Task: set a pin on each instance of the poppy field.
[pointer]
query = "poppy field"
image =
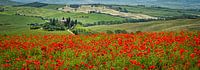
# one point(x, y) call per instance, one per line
point(134, 51)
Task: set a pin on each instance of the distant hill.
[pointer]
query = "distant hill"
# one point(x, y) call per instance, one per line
point(9, 2)
point(34, 4)
point(164, 3)
point(42, 5)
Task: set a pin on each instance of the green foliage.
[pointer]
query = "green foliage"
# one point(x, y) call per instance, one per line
point(82, 31)
point(109, 32)
point(167, 25)
point(50, 13)
point(74, 6)
point(53, 25)
point(34, 26)
point(2, 9)
point(17, 25)
point(120, 22)
point(120, 31)
point(56, 25)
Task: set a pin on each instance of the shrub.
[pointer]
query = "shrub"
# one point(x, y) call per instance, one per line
point(82, 31)
point(34, 26)
point(121, 32)
point(109, 32)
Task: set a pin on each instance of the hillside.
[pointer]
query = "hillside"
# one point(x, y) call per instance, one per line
point(155, 11)
point(41, 5)
point(34, 4)
point(9, 2)
point(12, 25)
point(49, 13)
point(134, 12)
point(176, 4)
point(171, 25)
point(103, 9)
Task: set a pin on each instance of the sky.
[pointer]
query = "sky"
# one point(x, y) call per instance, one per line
point(167, 3)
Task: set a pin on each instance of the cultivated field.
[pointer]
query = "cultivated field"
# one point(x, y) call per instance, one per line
point(171, 25)
point(105, 10)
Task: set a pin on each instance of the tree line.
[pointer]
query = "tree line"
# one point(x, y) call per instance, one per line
point(2, 9)
point(129, 20)
point(117, 22)
point(56, 24)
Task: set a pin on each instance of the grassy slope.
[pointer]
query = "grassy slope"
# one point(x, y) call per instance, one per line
point(171, 25)
point(18, 25)
point(49, 13)
point(158, 12)
point(89, 18)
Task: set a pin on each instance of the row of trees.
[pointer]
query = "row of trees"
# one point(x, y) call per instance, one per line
point(2, 9)
point(117, 22)
point(118, 31)
point(184, 16)
point(88, 31)
point(82, 31)
point(55, 24)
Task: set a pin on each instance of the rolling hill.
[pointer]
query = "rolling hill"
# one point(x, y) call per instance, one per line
point(103, 9)
point(50, 13)
point(156, 11)
point(9, 2)
point(42, 5)
point(153, 26)
point(181, 4)
point(17, 25)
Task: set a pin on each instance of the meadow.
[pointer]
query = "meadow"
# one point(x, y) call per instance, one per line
point(152, 26)
point(52, 13)
point(145, 50)
point(12, 25)
point(158, 11)
point(172, 44)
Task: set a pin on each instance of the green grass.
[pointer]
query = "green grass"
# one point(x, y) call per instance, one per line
point(171, 25)
point(11, 25)
point(88, 18)
point(50, 13)
point(158, 12)
point(30, 11)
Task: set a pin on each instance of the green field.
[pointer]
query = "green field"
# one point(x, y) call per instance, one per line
point(171, 25)
point(11, 25)
point(50, 13)
point(158, 11)
point(17, 24)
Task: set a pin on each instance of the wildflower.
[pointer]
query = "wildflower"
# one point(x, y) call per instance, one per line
point(152, 67)
point(125, 68)
point(192, 55)
point(181, 51)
